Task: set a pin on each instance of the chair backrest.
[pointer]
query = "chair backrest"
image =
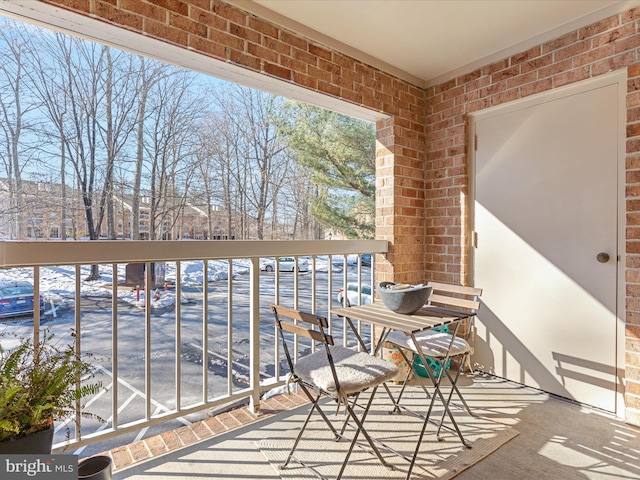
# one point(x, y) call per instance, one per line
point(286, 321)
point(455, 297)
point(449, 297)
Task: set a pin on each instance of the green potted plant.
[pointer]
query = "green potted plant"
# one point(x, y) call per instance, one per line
point(39, 384)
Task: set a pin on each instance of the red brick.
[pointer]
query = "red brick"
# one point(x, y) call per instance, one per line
point(477, 83)
point(628, 43)
point(303, 56)
point(633, 145)
point(230, 13)
point(614, 35)
point(139, 451)
point(296, 66)
point(560, 42)
point(156, 445)
point(199, 4)
point(328, 88)
point(632, 162)
point(201, 430)
point(633, 114)
point(164, 32)
point(631, 15)
point(145, 9)
point(634, 70)
point(228, 420)
point(244, 33)
point(262, 53)
point(175, 6)
point(277, 71)
point(526, 56)
point(294, 40)
point(571, 76)
point(215, 425)
point(536, 87)
point(263, 27)
point(82, 6)
point(493, 89)
point(226, 39)
point(599, 27)
point(171, 440)
point(210, 19)
point(187, 437)
point(328, 66)
point(495, 67)
point(305, 80)
point(126, 19)
point(318, 51)
point(244, 59)
point(121, 457)
point(243, 416)
point(593, 55)
point(188, 25)
point(613, 63)
point(208, 47)
point(276, 46)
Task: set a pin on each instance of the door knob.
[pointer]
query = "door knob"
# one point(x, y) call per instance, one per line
point(602, 257)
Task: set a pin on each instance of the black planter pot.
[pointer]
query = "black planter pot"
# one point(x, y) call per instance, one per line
point(39, 442)
point(95, 468)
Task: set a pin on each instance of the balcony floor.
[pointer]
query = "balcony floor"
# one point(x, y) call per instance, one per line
point(557, 439)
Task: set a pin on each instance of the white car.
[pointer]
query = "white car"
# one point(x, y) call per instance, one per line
point(352, 295)
point(286, 264)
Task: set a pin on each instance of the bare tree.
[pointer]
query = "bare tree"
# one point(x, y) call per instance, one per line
point(88, 96)
point(171, 149)
point(261, 161)
point(150, 72)
point(89, 113)
point(119, 123)
point(15, 106)
point(221, 173)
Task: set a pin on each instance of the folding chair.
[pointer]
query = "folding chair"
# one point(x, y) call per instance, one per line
point(445, 299)
point(333, 371)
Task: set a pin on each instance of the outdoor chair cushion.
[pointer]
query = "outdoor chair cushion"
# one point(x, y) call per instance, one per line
point(356, 371)
point(434, 344)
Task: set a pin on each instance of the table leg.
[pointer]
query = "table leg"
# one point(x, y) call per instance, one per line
point(436, 393)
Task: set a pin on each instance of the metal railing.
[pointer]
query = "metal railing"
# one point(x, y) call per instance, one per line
point(214, 345)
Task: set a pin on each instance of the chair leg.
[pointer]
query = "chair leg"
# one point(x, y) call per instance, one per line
point(396, 402)
point(412, 362)
point(454, 387)
point(314, 406)
point(314, 403)
point(304, 426)
point(360, 428)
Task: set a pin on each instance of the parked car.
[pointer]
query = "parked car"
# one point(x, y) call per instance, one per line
point(16, 298)
point(286, 264)
point(352, 295)
point(366, 259)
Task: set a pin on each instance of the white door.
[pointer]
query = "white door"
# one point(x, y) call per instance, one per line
point(545, 213)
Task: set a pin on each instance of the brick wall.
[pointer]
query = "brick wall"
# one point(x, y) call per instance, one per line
point(421, 192)
point(608, 45)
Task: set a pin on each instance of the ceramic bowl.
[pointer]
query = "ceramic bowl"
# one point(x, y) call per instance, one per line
point(403, 298)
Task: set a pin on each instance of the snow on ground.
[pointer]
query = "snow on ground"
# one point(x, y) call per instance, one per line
point(57, 283)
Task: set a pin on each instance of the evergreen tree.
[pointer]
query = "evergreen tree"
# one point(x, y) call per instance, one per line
point(338, 154)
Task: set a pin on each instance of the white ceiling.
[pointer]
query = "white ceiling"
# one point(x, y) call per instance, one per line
point(428, 41)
